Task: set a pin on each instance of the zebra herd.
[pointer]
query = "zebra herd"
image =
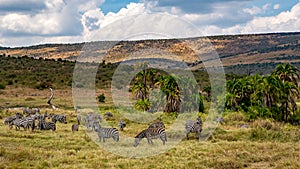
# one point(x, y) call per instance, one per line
point(18, 120)
point(92, 122)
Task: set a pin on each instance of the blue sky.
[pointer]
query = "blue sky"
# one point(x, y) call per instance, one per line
point(29, 22)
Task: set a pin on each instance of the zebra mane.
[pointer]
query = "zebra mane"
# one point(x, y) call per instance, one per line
point(142, 134)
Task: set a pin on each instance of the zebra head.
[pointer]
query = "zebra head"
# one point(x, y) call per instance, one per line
point(96, 126)
point(136, 142)
point(116, 138)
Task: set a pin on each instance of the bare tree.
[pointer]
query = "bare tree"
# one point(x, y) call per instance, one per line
point(50, 99)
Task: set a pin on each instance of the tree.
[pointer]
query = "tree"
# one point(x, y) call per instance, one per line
point(169, 86)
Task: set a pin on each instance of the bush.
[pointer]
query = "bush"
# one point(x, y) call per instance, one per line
point(142, 105)
point(101, 98)
point(2, 86)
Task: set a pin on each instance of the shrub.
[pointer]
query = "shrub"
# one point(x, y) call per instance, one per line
point(101, 98)
point(2, 86)
point(142, 105)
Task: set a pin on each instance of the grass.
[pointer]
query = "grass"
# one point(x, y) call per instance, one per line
point(228, 147)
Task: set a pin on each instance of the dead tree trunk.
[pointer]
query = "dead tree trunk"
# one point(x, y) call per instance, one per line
point(50, 99)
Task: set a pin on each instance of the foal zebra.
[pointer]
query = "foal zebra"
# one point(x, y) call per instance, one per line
point(193, 127)
point(151, 133)
point(106, 132)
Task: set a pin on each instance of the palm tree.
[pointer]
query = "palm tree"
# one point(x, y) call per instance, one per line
point(287, 72)
point(289, 77)
point(172, 93)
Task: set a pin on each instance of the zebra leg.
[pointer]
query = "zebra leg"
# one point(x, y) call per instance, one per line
point(187, 135)
point(149, 141)
point(163, 139)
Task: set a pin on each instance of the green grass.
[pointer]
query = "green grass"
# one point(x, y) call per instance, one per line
point(228, 147)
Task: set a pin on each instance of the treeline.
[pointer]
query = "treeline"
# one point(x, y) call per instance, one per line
point(270, 96)
point(43, 73)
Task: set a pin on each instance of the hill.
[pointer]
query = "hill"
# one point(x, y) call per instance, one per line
point(245, 51)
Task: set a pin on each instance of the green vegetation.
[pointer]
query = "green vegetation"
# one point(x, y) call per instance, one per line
point(272, 96)
point(261, 128)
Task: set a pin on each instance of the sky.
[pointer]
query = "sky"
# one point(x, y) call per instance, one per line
point(32, 22)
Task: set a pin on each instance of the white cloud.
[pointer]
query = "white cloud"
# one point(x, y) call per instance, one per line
point(69, 21)
point(132, 9)
point(252, 11)
point(276, 6)
point(266, 6)
point(287, 21)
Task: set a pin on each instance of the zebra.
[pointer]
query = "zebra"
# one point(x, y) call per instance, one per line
point(90, 118)
point(43, 125)
point(75, 127)
point(157, 125)
point(31, 120)
point(30, 111)
point(151, 133)
point(19, 122)
point(193, 127)
point(106, 132)
point(10, 119)
point(122, 125)
point(58, 117)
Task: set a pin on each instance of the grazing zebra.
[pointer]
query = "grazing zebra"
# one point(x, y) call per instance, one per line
point(106, 132)
point(31, 120)
point(157, 125)
point(193, 127)
point(10, 119)
point(43, 125)
point(29, 111)
point(122, 125)
point(90, 118)
point(58, 117)
point(19, 122)
point(151, 133)
point(75, 127)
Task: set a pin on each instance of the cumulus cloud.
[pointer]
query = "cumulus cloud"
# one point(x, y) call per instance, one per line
point(56, 21)
point(102, 21)
point(286, 21)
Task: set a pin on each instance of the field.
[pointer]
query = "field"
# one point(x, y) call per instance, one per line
point(264, 144)
point(262, 116)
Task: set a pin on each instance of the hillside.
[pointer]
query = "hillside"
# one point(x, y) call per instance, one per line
point(233, 49)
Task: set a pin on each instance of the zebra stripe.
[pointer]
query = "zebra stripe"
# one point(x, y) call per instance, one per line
point(43, 125)
point(20, 123)
point(47, 125)
point(151, 133)
point(106, 132)
point(58, 117)
point(193, 127)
